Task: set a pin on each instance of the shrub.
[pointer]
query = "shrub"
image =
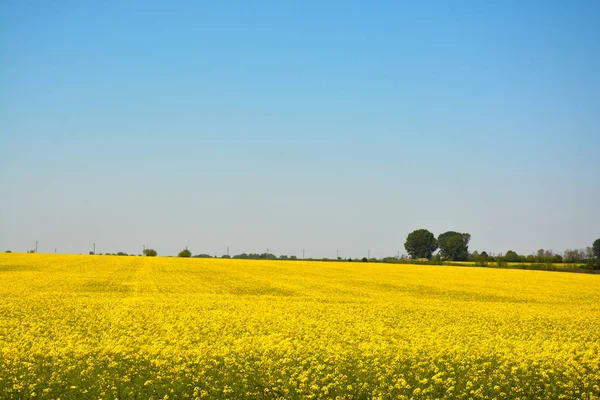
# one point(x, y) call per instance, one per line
point(184, 253)
point(150, 253)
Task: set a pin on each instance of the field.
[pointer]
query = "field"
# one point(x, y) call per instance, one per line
point(75, 327)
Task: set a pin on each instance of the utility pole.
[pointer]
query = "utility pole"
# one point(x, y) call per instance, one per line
point(36, 246)
point(369, 254)
point(337, 254)
point(227, 251)
point(303, 253)
point(94, 248)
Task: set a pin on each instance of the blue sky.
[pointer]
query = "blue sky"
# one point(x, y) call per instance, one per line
point(275, 125)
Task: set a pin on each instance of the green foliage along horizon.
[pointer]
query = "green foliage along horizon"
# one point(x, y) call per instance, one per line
point(150, 253)
point(184, 253)
point(454, 246)
point(421, 244)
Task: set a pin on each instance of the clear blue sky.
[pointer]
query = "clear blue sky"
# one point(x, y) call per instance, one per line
point(288, 125)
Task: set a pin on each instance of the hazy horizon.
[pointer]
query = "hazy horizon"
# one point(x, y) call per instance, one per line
point(339, 126)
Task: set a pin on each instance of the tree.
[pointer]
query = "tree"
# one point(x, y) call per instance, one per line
point(574, 256)
point(589, 255)
point(454, 245)
point(420, 244)
point(474, 256)
point(150, 253)
point(204, 256)
point(596, 249)
point(184, 253)
point(511, 256)
point(501, 260)
point(364, 259)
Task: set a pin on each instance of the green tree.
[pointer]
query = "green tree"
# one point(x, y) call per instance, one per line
point(511, 256)
point(596, 250)
point(454, 245)
point(204, 256)
point(184, 253)
point(150, 253)
point(474, 256)
point(501, 260)
point(421, 244)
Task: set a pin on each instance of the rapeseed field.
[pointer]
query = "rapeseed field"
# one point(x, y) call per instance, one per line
point(104, 327)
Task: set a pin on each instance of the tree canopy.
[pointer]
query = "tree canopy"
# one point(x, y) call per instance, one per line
point(184, 253)
point(421, 244)
point(454, 245)
point(150, 253)
point(512, 256)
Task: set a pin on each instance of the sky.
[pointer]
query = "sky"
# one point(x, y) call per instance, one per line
point(324, 126)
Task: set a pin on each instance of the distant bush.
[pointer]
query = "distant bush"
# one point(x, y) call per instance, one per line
point(8, 251)
point(122, 254)
point(256, 256)
point(364, 259)
point(203, 256)
point(501, 261)
point(184, 253)
point(150, 253)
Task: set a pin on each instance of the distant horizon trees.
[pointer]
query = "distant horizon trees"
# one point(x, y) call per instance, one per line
point(421, 244)
point(256, 256)
point(150, 252)
point(454, 246)
point(184, 253)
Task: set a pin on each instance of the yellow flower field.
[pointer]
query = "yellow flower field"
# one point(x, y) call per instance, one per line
point(110, 327)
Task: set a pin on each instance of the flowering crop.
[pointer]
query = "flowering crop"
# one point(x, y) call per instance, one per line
point(75, 327)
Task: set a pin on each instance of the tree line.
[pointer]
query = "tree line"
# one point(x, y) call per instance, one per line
point(421, 244)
